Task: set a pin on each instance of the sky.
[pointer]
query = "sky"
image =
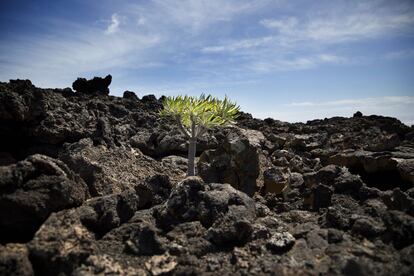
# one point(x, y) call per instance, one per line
point(289, 60)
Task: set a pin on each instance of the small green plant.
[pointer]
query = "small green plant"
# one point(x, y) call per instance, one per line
point(195, 115)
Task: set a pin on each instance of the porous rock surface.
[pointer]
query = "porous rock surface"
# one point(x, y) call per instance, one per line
point(92, 184)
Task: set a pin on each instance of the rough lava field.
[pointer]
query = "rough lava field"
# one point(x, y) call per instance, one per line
point(92, 184)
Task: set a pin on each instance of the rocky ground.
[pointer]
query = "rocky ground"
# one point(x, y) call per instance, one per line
point(92, 184)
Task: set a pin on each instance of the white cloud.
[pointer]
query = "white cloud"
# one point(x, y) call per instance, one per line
point(238, 45)
point(234, 38)
point(283, 25)
point(345, 23)
point(114, 25)
point(58, 58)
point(194, 16)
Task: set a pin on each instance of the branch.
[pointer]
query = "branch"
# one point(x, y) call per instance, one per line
point(201, 131)
point(198, 130)
point(193, 128)
point(181, 127)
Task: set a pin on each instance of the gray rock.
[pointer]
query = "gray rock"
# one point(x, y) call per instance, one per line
point(14, 260)
point(280, 242)
point(31, 190)
point(236, 161)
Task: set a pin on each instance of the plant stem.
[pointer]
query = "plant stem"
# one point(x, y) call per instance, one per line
point(191, 156)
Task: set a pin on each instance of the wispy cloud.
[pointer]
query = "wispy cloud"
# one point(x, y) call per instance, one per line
point(283, 25)
point(114, 25)
point(198, 45)
point(60, 56)
point(243, 44)
point(346, 23)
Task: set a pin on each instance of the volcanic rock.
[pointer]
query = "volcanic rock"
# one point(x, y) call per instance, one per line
point(93, 184)
point(94, 86)
point(31, 190)
point(14, 260)
point(236, 161)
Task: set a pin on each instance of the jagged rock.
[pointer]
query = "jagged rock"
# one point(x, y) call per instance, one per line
point(348, 183)
point(406, 169)
point(335, 235)
point(176, 161)
point(235, 228)
point(14, 260)
point(158, 186)
point(236, 161)
point(280, 242)
point(192, 199)
point(61, 245)
point(325, 175)
point(360, 223)
point(321, 196)
point(96, 85)
point(357, 114)
point(318, 185)
point(152, 103)
point(31, 190)
point(276, 179)
point(68, 237)
point(146, 241)
point(130, 95)
point(189, 238)
point(304, 142)
point(102, 214)
point(110, 170)
point(382, 169)
point(384, 142)
point(105, 265)
point(367, 227)
point(161, 264)
point(399, 229)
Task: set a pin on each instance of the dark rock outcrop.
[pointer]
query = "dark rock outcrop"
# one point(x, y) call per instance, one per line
point(94, 86)
point(31, 190)
point(14, 260)
point(93, 184)
point(236, 161)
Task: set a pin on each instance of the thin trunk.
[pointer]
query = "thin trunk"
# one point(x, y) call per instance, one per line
point(191, 156)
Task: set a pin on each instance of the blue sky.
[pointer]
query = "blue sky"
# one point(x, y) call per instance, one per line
point(290, 60)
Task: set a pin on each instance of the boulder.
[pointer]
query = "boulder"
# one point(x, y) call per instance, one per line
point(192, 199)
point(102, 214)
point(31, 190)
point(280, 242)
point(368, 227)
point(227, 213)
point(276, 179)
point(130, 96)
point(357, 114)
point(399, 229)
point(61, 245)
point(14, 260)
point(236, 161)
point(321, 196)
point(406, 169)
point(111, 170)
point(146, 241)
point(348, 183)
